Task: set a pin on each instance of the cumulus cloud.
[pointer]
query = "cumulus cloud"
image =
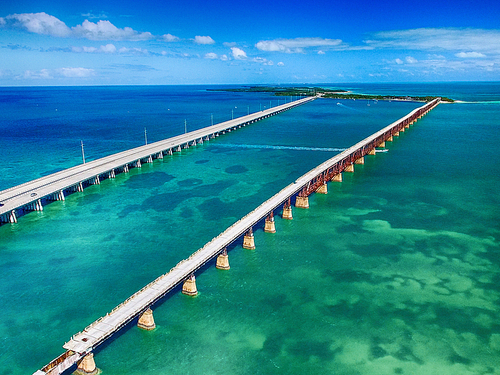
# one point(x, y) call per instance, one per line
point(320, 52)
point(43, 23)
point(203, 40)
point(211, 56)
point(399, 61)
point(411, 60)
point(296, 45)
point(280, 64)
point(170, 38)
point(105, 30)
point(238, 53)
point(39, 23)
point(468, 55)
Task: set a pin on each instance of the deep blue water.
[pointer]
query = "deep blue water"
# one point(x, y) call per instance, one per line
point(396, 270)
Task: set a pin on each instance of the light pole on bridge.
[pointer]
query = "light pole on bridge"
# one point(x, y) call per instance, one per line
point(145, 136)
point(83, 153)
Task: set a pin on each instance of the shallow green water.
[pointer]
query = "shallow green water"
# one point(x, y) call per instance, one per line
point(395, 271)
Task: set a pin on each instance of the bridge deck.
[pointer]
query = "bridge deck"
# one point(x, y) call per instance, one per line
point(29, 192)
point(106, 326)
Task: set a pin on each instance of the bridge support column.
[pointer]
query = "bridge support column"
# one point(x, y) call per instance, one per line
point(60, 195)
point(323, 189)
point(170, 152)
point(125, 168)
point(112, 174)
point(79, 187)
point(361, 160)
point(223, 261)
point(349, 168)
point(12, 217)
point(269, 226)
point(138, 164)
point(302, 202)
point(249, 241)
point(160, 155)
point(381, 144)
point(189, 286)
point(337, 177)
point(396, 134)
point(287, 211)
point(389, 139)
point(150, 159)
point(179, 148)
point(96, 181)
point(38, 205)
point(146, 321)
point(87, 366)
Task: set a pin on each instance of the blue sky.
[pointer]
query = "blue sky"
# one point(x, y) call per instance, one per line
point(247, 42)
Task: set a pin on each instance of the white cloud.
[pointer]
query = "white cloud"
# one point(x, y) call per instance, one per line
point(399, 61)
point(296, 45)
point(105, 30)
point(411, 60)
point(203, 40)
point(133, 51)
point(39, 23)
point(108, 48)
point(229, 44)
point(211, 56)
point(238, 53)
point(468, 55)
point(280, 64)
point(429, 39)
point(75, 72)
point(320, 52)
point(170, 38)
point(60, 73)
point(224, 58)
point(43, 23)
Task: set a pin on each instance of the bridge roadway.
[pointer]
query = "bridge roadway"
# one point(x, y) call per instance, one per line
point(96, 333)
point(53, 187)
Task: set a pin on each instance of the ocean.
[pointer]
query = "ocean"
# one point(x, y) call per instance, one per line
point(395, 271)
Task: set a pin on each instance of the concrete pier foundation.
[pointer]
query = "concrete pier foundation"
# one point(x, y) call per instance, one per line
point(87, 366)
point(372, 152)
point(337, 177)
point(112, 174)
point(287, 213)
point(125, 168)
point(223, 261)
point(302, 202)
point(269, 226)
point(146, 321)
point(138, 164)
point(150, 159)
point(38, 205)
point(381, 144)
point(249, 240)
point(189, 286)
point(96, 181)
point(390, 139)
point(361, 160)
point(12, 217)
point(323, 189)
point(60, 195)
point(349, 168)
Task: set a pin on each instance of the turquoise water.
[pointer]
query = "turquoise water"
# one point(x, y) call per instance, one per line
point(395, 271)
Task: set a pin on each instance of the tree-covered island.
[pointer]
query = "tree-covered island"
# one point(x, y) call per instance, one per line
point(328, 93)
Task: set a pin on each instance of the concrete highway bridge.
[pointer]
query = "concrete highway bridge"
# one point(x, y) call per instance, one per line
point(138, 308)
point(34, 195)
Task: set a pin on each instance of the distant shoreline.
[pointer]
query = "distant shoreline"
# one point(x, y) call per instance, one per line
point(330, 93)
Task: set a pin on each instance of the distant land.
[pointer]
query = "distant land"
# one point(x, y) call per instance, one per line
point(329, 93)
